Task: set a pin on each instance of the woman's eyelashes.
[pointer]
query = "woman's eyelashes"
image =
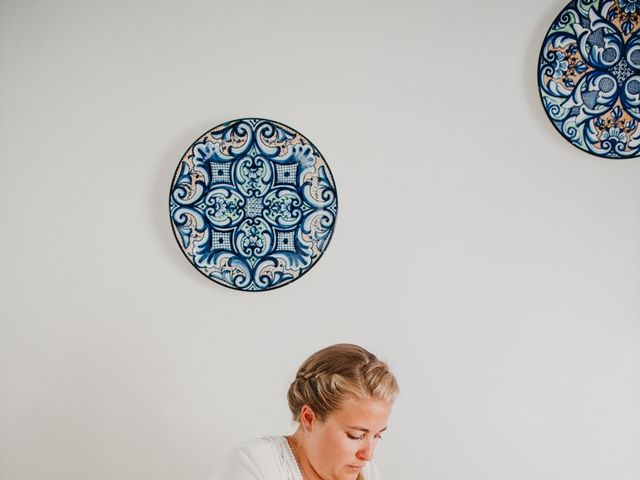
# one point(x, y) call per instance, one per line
point(361, 437)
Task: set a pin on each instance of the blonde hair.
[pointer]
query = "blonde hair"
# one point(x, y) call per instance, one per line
point(338, 373)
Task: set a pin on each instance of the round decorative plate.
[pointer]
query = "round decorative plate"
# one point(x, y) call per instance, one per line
point(253, 204)
point(589, 76)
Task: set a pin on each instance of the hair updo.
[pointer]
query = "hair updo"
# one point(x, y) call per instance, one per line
point(339, 373)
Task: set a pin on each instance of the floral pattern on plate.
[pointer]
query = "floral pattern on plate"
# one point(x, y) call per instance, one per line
point(589, 76)
point(253, 204)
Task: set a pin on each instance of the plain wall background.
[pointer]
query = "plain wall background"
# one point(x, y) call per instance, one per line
point(495, 266)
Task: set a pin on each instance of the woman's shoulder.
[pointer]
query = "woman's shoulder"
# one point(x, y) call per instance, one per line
point(268, 458)
point(259, 458)
point(263, 447)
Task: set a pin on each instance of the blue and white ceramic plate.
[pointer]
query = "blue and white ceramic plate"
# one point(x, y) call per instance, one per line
point(253, 204)
point(589, 76)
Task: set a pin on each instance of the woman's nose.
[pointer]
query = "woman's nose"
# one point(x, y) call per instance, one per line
point(366, 452)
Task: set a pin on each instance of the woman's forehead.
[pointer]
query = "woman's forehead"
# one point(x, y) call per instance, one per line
point(364, 413)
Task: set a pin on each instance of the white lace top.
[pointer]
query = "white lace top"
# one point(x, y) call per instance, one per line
point(269, 458)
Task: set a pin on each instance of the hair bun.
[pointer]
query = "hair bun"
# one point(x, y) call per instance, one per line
point(339, 372)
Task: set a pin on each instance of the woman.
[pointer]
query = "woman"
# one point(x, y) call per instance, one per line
point(341, 399)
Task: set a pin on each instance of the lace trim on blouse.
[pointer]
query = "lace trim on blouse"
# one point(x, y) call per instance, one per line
point(286, 458)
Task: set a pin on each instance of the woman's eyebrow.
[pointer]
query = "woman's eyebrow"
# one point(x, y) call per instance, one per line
point(365, 430)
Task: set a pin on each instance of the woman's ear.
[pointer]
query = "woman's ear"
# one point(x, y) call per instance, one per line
point(307, 418)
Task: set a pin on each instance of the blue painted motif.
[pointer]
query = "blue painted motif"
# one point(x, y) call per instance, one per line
point(253, 204)
point(589, 76)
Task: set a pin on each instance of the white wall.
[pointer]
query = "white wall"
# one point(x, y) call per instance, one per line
point(495, 266)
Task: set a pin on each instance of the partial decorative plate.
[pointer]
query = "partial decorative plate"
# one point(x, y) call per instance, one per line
point(589, 76)
point(253, 204)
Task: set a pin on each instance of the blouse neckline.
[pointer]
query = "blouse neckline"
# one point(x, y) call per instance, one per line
point(291, 459)
point(293, 465)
